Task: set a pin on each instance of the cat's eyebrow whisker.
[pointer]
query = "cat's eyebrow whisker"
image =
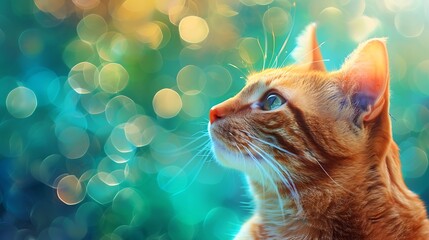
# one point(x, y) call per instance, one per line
point(239, 70)
point(265, 44)
point(288, 36)
point(272, 59)
point(264, 54)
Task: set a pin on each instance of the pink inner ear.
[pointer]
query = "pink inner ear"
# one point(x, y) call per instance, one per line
point(367, 70)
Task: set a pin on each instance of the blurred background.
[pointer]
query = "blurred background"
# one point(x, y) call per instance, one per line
point(104, 104)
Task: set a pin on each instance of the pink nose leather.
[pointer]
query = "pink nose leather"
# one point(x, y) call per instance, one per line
point(216, 113)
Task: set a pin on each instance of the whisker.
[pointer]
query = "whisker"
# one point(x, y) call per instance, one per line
point(269, 144)
point(289, 34)
point(183, 150)
point(272, 60)
point(204, 149)
point(259, 170)
point(265, 44)
point(288, 182)
point(287, 152)
point(263, 54)
point(269, 179)
point(327, 174)
point(254, 147)
point(177, 151)
point(200, 167)
point(279, 198)
point(244, 75)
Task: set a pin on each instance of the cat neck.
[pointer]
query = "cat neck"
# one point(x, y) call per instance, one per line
point(370, 199)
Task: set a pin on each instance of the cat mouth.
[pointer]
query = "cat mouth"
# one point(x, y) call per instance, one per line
point(232, 150)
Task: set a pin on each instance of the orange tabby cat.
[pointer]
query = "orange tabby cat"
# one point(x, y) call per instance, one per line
point(318, 151)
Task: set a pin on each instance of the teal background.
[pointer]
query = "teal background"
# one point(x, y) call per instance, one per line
point(104, 106)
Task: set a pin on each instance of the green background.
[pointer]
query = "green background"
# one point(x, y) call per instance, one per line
point(104, 106)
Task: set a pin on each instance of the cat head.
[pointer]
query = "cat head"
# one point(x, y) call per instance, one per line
point(301, 121)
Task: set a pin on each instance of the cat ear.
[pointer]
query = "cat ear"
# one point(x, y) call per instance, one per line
point(307, 52)
point(366, 71)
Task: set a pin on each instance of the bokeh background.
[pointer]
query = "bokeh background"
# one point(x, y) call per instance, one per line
point(103, 106)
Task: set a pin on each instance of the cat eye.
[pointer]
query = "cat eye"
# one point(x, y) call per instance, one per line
point(272, 101)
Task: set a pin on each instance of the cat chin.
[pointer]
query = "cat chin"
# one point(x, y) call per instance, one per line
point(237, 161)
point(225, 157)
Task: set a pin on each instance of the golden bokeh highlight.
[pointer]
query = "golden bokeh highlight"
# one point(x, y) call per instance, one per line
point(419, 162)
point(166, 7)
point(194, 105)
point(21, 102)
point(362, 27)
point(191, 80)
point(250, 50)
point(151, 34)
point(140, 130)
point(86, 4)
point(256, 2)
point(193, 29)
point(83, 77)
point(167, 103)
point(78, 51)
point(219, 81)
point(119, 110)
point(410, 23)
point(177, 12)
point(400, 5)
point(58, 8)
point(131, 10)
point(70, 190)
point(331, 16)
point(113, 78)
point(119, 140)
point(112, 46)
point(91, 27)
point(277, 21)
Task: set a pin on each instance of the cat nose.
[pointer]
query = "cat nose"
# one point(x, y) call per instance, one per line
point(215, 114)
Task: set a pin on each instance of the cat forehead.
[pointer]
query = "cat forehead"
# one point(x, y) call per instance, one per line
point(290, 82)
point(276, 78)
